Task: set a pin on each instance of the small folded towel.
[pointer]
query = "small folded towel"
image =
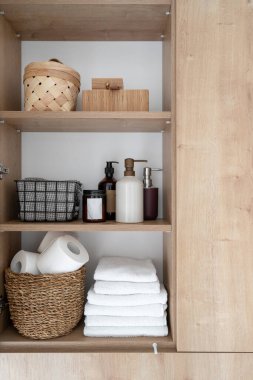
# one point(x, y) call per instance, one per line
point(126, 287)
point(96, 320)
point(125, 269)
point(125, 331)
point(154, 310)
point(127, 300)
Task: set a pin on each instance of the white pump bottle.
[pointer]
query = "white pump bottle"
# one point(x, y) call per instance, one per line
point(129, 195)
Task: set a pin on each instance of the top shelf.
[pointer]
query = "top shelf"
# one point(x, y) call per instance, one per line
point(80, 121)
point(88, 20)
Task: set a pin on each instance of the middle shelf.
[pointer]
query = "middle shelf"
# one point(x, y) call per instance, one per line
point(159, 225)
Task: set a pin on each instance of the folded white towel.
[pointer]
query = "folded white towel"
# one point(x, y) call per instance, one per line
point(96, 320)
point(154, 310)
point(127, 300)
point(126, 287)
point(126, 331)
point(125, 269)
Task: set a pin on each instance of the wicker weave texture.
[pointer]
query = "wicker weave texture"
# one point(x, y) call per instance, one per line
point(50, 94)
point(50, 86)
point(45, 306)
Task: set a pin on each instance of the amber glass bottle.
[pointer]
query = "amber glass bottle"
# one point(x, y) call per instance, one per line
point(109, 185)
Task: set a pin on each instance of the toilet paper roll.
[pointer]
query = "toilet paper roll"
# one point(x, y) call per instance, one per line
point(65, 254)
point(48, 239)
point(25, 262)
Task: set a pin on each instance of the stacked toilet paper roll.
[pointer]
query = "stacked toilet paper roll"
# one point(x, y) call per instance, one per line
point(64, 254)
point(59, 253)
point(25, 262)
point(48, 239)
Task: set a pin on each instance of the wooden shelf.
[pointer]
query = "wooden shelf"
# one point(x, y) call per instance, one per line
point(12, 341)
point(81, 20)
point(81, 121)
point(159, 225)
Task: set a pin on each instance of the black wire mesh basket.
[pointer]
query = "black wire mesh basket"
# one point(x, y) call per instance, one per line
point(48, 201)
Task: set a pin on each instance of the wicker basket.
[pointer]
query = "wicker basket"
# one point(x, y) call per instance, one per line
point(50, 86)
point(45, 306)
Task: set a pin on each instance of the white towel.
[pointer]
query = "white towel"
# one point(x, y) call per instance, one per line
point(126, 287)
point(96, 320)
point(155, 310)
point(125, 269)
point(126, 331)
point(127, 300)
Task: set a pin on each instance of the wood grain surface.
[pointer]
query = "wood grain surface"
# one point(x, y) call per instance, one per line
point(214, 80)
point(10, 67)
point(116, 100)
point(10, 147)
point(80, 121)
point(87, 20)
point(170, 366)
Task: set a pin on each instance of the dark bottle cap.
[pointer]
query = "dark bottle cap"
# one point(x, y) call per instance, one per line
point(109, 170)
point(96, 193)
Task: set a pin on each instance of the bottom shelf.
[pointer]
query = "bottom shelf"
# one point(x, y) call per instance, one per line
point(12, 341)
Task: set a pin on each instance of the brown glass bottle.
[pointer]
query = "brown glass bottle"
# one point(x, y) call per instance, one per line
point(109, 185)
point(150, 203)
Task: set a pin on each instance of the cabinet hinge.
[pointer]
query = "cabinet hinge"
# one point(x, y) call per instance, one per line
point(3, 304)
point(3, 170)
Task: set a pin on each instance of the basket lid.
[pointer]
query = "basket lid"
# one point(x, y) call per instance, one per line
point(41, 67)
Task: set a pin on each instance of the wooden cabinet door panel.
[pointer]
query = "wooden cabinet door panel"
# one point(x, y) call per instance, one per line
point(214, 101)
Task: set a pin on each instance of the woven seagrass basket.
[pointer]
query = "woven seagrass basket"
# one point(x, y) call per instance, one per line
point(50, 86)
point(45, 306)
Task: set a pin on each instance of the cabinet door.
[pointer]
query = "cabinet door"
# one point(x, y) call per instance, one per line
point(10, 155)
point(214, 101)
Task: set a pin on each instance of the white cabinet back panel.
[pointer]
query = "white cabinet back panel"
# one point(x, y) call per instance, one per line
point(138, 63)
point(82, 156)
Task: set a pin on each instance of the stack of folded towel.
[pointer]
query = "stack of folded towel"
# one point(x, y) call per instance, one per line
point(126, 300)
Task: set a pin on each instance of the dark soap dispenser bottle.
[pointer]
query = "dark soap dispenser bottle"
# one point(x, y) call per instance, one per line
point(150, 198)
point(109, 185)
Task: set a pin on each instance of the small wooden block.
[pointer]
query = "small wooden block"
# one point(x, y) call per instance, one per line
point(107, 84)
point(121, 100)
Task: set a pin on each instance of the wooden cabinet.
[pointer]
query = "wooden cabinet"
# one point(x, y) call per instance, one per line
point(110, 20)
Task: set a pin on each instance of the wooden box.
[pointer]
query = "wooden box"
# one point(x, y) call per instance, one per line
point(116, 100)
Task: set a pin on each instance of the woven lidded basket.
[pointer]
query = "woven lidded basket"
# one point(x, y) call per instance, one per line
point(45, 306)
point(50, 86)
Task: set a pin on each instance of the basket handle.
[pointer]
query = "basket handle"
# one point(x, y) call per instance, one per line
point(55, 60)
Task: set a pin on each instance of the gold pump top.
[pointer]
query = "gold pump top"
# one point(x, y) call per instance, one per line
point(129, 165)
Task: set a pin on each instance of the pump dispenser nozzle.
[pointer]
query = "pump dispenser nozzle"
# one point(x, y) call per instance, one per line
point(109, 169)
point(129, 165)
point(147, 180)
